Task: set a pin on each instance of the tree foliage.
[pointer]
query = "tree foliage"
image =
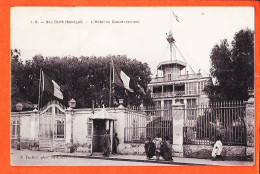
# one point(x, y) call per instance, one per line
point(232, 67)
point(86, 79)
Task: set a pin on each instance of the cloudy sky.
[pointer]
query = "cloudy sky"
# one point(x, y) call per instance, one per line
point(198, 30)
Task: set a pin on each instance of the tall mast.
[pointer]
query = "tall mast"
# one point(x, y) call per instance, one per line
point(171, 41)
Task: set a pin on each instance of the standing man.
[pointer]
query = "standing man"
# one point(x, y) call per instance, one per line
point(115, 144)
point(106, 144)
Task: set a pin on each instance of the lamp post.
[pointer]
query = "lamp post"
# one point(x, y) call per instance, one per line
point(19, 107)
point(72, 105)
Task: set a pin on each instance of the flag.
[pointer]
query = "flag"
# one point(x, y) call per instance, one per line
point(141, 88)
point(120, 78)
point(51, 86)
point(175, 16)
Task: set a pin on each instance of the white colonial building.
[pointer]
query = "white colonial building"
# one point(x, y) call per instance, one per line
point(176, 85)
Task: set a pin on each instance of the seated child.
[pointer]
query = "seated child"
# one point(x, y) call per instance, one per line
point(149, 147)
point(217, 149)
point(158, 142)
point(166, 149)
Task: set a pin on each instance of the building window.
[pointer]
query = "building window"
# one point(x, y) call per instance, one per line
point(191, 88)
point(191, 109)
point(167, 103)
point(59, 128)
point(90, 127)
point(157, 104)
point(15, 129)
point(201, 86)
point(167, 108)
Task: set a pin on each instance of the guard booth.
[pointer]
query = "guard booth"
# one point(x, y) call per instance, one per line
point(101, 121)
point(52, 124)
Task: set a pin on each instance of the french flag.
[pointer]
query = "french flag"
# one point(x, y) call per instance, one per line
point(51, 86)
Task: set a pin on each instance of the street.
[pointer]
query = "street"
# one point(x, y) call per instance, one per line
point(79, 162)
point(40, 158)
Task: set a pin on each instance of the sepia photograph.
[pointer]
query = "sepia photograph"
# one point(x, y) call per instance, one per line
point(132, 86)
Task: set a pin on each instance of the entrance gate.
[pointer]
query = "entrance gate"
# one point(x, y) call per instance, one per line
point(52, 127)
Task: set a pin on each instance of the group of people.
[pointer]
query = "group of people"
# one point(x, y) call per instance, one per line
point(107, 144)
point(158, 147)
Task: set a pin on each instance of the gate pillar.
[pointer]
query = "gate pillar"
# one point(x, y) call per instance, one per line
point(250, 124)
point(177, 125)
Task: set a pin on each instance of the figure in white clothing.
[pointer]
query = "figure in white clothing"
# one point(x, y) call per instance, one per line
point(217, 149)
point(158, 142)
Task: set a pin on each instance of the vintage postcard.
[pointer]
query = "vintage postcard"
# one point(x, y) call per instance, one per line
point(132, 86)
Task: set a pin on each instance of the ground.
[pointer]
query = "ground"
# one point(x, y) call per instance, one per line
point(40, 158)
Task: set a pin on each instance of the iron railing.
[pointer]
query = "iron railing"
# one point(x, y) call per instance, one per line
point(202, 124)
point(206, 123)
point(147, 122)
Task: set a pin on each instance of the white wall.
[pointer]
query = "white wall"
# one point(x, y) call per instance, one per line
point(80, 126)
point(29, 124)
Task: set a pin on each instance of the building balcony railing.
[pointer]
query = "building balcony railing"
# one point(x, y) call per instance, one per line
point(179, 93)
point(172, 94)
point(180, 77)
point(163, 94)
point(167, 94)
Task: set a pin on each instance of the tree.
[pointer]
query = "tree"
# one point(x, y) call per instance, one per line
point(17, 82)
point(86, 79)
point(232, 67)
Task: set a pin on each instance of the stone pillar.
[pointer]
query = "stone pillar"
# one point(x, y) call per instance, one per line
point(35, 125)
point(68, 125)
point(250, 125)
point(119, 126)
point(178, 123)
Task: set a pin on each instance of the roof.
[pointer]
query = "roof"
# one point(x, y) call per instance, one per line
point(102, 115)
point(178, 62)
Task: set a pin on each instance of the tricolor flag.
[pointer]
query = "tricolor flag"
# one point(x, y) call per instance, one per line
point(175, 16)
point(51, 86)
point(141, 88)
point(120, 78)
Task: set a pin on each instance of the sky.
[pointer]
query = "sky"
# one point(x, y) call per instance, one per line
point(143, 38)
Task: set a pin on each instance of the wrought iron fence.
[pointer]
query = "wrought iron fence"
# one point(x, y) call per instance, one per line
point(141, 123)
point(206, 123)
point(202, 124)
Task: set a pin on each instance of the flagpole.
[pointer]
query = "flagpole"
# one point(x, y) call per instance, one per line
point(110, 86)
point(39, 89)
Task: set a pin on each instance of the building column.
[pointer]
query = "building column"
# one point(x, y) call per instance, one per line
point(250, 125)
point(119, 126)
point(68, 125)
point(173, 90)
point(178, 123)
point(162, 107)
point(185, 108)
point(35, 126)
point(162, 90)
